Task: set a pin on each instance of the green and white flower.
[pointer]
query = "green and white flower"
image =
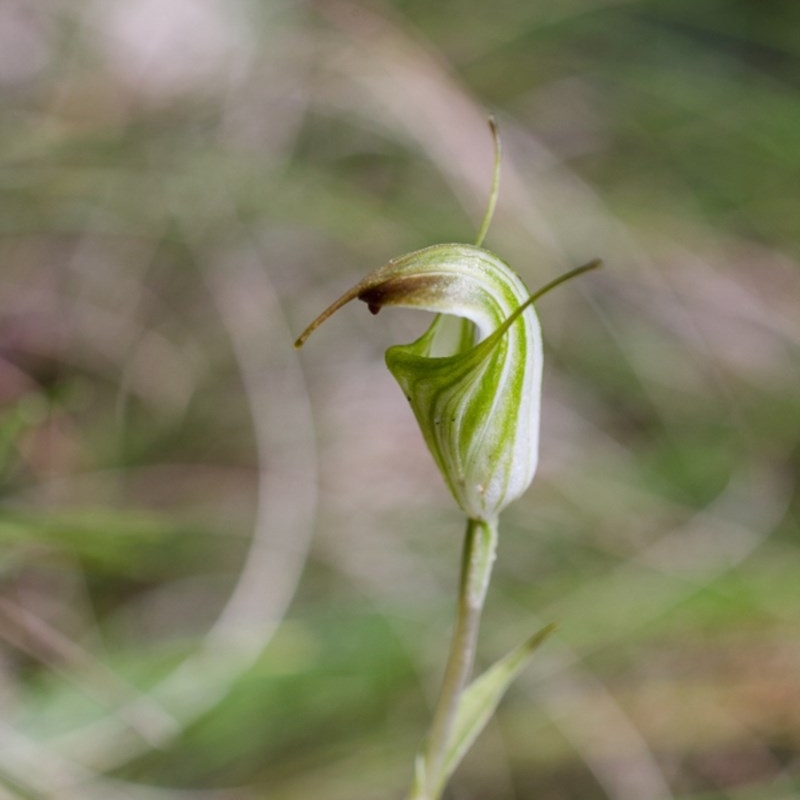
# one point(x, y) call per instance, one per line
point(474, 378)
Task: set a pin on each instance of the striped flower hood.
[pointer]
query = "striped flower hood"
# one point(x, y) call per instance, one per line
point(473, 379)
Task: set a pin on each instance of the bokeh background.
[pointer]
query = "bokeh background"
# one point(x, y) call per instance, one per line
point(227, 569)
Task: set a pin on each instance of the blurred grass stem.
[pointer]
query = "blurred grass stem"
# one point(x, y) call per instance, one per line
point(480, 547)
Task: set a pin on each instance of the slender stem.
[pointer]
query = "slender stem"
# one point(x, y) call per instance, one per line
point(480, 545)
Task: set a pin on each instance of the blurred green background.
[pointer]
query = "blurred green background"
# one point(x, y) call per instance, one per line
point(228, 569)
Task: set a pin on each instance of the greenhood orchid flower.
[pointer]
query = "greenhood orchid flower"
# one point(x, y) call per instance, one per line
point(474, 377)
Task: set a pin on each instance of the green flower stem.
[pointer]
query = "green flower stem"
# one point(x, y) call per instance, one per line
point(480, 547)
